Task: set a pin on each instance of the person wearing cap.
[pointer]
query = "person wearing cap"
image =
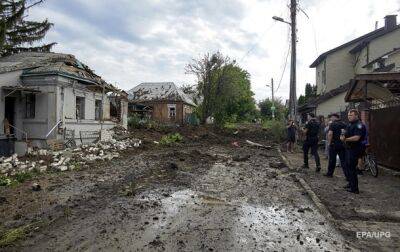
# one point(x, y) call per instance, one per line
point(335, 145)
point(311, 130)
point(352, 140)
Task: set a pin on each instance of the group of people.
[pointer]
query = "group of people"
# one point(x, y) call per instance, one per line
point(348, 142)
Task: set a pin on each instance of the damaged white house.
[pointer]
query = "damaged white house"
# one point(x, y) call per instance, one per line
point(52, 98)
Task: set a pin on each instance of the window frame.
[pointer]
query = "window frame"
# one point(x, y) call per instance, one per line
point(98, 109)
point(82, 103)
point(30, 106)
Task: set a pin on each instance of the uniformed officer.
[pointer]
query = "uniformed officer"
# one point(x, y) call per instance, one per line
point(335, 145)
point(352, 140)
point(311, 130)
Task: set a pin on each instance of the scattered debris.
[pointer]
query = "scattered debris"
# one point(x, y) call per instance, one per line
point(277, 164)
point(239, 158)
point(258, 145)
point(36, 187)
point(68, 159)
point(236, 144)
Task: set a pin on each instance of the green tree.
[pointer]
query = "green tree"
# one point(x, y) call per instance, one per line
point(265, 109)
point(18, 34)
point(310, 92)
point(224, 87)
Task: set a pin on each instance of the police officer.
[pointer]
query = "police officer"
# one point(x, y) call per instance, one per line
point(335, 145)
point(352, 140)
point(311, 130)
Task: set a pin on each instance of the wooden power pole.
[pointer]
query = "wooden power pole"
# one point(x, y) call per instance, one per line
point(273, 100)
point(292, 94)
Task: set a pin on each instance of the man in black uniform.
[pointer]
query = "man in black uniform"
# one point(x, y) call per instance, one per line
point(336, 147)
point(352, 140)
point(311, 129)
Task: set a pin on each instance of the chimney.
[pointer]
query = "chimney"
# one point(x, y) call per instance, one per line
point(390, 22)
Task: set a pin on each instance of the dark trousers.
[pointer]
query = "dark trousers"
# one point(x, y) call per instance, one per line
point(313, 145)
point(333, 152)
point(351, 166)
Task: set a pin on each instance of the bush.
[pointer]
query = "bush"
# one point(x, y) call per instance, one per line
point(171, 139)
point(276, 129)
point(4, 181)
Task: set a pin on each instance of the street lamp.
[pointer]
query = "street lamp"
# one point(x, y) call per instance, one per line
point(280, 20)
point(292, 23)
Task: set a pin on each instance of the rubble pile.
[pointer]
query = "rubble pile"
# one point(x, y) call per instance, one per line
point(69, 159)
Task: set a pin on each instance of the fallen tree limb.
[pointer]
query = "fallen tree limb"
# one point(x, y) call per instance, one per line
point(258, 145)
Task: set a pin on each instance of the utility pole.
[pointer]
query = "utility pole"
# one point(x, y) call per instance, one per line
point(292, 94)
point(273, 100)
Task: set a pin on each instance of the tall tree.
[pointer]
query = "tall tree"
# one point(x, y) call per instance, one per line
point(18, 34)
point(224, 87)
point(310, 92)
point(265, 108)
point(205, 69)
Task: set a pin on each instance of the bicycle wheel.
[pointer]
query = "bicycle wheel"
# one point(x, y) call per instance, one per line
point(371, 164)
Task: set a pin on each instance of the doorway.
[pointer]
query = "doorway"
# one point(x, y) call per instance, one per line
point(9, 112)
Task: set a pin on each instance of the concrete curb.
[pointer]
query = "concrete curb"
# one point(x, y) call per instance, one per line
point(314, 198)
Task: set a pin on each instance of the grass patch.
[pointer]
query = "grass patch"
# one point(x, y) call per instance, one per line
point(15, 234)
point(20, 177)
point(171, 139)
point(230, 126)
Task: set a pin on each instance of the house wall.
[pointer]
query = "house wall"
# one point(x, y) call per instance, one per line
point(339, 68)
point(334, 104)
point(56, 100)
point(394, 58)
point(6, 79)
point(375, 49)
point(124, 114)
point(160, 112)
point(68, 90)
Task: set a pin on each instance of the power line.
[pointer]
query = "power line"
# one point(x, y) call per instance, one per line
point(255, 44)
point(285, 62)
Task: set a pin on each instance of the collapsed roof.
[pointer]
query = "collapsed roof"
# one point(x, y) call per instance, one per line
point(48, 63)
point(158, 91)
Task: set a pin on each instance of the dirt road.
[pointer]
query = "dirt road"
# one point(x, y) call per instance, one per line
point(198, 196)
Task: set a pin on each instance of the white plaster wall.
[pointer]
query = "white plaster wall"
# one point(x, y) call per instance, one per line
point(7, 79)
point(339, 68)
point(384, 44)
point(334, 104)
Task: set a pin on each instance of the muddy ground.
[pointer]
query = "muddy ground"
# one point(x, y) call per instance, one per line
point(213, 192)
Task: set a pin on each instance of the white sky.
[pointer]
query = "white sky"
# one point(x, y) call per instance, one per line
point(129, 42)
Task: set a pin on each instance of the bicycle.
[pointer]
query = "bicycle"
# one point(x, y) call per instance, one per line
point(370, 162)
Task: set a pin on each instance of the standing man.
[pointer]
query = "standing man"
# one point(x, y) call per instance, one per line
point(352, 140)
point(291, 136)
point(335, 145)
point(311, 130)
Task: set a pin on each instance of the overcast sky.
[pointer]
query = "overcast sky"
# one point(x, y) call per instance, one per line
point(132, 41)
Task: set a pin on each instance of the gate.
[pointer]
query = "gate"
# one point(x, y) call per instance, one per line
point(384, 133)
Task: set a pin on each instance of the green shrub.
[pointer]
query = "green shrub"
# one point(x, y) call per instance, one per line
point(133, 122)
point(276, 129)
point(171, 139)
point(23, 176)
point(4, 181)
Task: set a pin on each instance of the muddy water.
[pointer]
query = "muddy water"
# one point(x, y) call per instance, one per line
point(194, 220)
point(226, 206)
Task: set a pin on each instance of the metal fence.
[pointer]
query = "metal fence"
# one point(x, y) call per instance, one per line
point(385, 133)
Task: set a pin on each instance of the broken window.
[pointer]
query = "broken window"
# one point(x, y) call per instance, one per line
point(30, 106)
point(171, 110)
point(97, 110)
point(80, 107)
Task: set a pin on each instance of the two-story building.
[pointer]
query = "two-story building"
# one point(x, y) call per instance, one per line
point(376, 51)
point(364, 74)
